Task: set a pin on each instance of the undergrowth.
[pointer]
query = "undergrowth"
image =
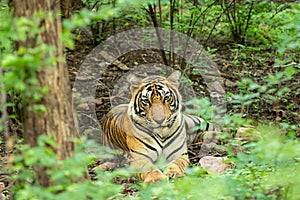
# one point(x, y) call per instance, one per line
point(269, 169)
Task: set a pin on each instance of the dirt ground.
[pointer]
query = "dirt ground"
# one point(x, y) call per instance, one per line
point(231, 73)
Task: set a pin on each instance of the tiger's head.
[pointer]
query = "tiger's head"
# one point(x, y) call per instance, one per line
point(155, 100)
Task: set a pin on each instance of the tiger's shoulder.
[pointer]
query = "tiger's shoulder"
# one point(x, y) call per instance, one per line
point(114, 126)
point(119, 110)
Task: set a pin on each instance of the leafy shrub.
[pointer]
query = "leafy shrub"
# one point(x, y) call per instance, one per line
point(269, 170)
point(66, 175)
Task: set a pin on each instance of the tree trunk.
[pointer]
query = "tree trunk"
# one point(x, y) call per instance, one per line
point(58, 119)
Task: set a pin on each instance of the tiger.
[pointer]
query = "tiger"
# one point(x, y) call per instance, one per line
point(153, 125)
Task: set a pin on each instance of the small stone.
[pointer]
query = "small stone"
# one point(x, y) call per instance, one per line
point(83, 106)
point(214, 164)
point(2, 187)
point(247, 133)
point(107, 166)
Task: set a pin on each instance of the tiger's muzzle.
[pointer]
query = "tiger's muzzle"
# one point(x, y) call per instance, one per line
point(158, 112)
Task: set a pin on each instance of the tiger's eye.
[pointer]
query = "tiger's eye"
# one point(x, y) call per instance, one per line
point(167, 98)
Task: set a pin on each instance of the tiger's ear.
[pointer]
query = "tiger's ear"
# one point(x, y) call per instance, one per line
point(174, 78)
point(134, 81)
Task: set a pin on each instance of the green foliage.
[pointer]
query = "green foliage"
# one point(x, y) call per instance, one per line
point(269, 170)
point(273, 163)
point(66, 175)
point(245, 21)
point(289, 39)
point(278, 86)
point(6, 29)
point(201, 107)
point(21, 65)
point(238, 17)
point(97, 14)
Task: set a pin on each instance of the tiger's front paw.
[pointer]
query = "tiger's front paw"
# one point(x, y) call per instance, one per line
point(153, 176)
point(174, 171)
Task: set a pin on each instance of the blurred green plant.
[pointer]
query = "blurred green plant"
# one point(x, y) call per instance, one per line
point(21, 65)
point(269, 169)
point(66, 175)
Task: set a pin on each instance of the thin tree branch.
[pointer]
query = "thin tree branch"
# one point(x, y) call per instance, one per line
point(160, 13)
point(172, 11)
point(152, 13)
point(248, 18)
point(193, 24)
point(4, 115)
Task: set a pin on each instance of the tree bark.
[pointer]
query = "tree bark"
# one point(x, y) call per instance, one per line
point(58, 120)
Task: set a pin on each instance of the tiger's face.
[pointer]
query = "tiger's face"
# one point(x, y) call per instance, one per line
point(155, 100)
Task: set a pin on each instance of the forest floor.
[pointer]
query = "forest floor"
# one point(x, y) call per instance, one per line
point(254, 64)
point(234, 64)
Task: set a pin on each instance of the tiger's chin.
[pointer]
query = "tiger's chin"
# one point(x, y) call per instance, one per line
point(151, 124)
point(167, 123)
point(158, 126)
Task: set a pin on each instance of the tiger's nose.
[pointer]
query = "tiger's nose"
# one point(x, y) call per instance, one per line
point(157, 113)
point(159, 120)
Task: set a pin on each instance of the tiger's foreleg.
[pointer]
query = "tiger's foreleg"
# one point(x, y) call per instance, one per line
point(142, 160)
point(177, 167)
point(177, 156)
point(150, 173)
point(147, 171)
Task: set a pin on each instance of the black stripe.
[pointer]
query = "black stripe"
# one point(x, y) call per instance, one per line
point(137, 108)
point(199, 123)
point(145, 130)
point(172, 121)
point(135, 105)
point(176, 150)
point(176, 102)
point(146, 156)
point(196, 126)
point(175, 135)
point(195, 119)
point(148, 146)
point(207, 126)
point(186, 124)
point(180, 126)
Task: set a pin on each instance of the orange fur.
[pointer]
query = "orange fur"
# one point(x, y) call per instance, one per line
point(147, 127)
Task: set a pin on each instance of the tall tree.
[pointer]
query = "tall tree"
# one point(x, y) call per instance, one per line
point(58, 118)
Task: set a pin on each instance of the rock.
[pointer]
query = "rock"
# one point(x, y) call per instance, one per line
point(214, 164)
point(83, 106)
point(2, 187)
point(2, 196)
point(247, 133)
point(206, 149)
point(106, 166)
